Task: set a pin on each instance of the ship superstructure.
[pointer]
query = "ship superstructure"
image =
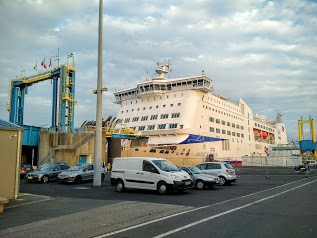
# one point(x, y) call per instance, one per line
point(188, 116)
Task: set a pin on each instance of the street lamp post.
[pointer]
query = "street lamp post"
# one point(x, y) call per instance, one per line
point(98, 135)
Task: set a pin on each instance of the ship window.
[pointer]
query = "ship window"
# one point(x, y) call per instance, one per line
point(242, 128)
point(150, 107)
point(157, 106)
point(127, 110)
point(218, 121)
point(223, 132)
point(138, 109)
point(171, 105)
point(211, 119)
point(212, 129)
point(217, 130)
point(164, 116)
point(242, 135)
point(223, 122)
point(135, 119)
point(153, 117)
point(229, 133)
point(141, 128)
point(172, 126)
point(238, 134)
point(127, 120)
point(161, 126)
point(144, 108)
point(175, 115)
point(228, 123)
point(233, 133)
point(238, 127)
point(166, 96)
point(144, 118)
point(179, 104)
point(232, 139)
point(164, 105)
point(132, 110)
point(150, 127)
point(121, 111)
point(233, 125)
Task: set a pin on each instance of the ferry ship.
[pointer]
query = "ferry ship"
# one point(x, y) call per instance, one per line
point(186, 118)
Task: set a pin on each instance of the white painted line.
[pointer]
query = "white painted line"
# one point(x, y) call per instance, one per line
point(27, 203)
point(229, 211)
point(191, 210)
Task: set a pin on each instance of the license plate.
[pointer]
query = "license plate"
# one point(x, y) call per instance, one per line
point(30, 177)
point(187, 183)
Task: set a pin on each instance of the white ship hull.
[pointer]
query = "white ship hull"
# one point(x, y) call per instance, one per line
point(185, 117)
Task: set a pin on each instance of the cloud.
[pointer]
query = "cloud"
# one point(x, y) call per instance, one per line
point(267, 48)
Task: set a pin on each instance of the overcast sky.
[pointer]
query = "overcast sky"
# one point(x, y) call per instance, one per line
point(261, 51)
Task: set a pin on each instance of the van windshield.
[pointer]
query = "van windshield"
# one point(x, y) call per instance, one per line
point(165, 165)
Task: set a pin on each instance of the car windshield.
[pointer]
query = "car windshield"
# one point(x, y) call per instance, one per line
point(76, 168)
point(195, 170)
point(228, 166)
point(46, 167)
point(165, 165)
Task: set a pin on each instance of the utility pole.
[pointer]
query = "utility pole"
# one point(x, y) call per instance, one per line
point(98, 135)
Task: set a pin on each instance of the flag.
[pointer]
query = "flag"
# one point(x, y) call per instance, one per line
point(266, 150)
point(50, 62)
point(43, 64)
point(35, 66)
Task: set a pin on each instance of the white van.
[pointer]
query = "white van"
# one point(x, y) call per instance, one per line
point(148, 173)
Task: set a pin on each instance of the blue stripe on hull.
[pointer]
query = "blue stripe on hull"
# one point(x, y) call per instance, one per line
point(192, 139)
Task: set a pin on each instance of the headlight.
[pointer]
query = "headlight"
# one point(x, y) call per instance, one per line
point(40, 175)
point(173, 176)
point(72, 175)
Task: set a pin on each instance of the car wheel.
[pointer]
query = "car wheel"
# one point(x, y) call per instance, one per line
point(162, 188)
point(78, 179)
point(45, 179)
point(222, 181)
point(119, 186)
point(102, 177)
point(200, 184)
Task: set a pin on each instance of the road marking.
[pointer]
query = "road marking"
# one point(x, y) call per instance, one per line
point(45, 198)
point(229, 211)
point(191, 210)
point(82, 188)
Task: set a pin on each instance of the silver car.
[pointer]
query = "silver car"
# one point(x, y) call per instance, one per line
point(224, 171)
point(200, 178)
point(79, 173)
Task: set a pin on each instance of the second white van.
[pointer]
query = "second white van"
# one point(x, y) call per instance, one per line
point(148, 173)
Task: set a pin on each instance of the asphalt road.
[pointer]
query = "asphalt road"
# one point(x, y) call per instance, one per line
point(282, 205)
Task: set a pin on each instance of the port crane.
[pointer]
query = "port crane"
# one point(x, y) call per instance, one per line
point(63, 103)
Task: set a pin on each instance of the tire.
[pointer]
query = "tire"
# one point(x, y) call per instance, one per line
point(222, 181)
point(200, 184)
point(78, 179)
point(162, 188)
point(102, 177)
point(45, 179)
point(119, 186)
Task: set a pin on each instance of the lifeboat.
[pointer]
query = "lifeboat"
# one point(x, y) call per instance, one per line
point(264, 134)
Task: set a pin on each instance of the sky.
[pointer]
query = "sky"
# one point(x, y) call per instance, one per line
point(261, 51)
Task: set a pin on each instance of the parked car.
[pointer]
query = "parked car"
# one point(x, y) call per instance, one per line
point(24, 169)
point(148, 173)
point(224, 171)
point(46, 172)
point(79, 173)
point(200, 178)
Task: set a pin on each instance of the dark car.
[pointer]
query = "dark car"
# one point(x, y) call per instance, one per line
point(24, 169)
point(46, 172)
